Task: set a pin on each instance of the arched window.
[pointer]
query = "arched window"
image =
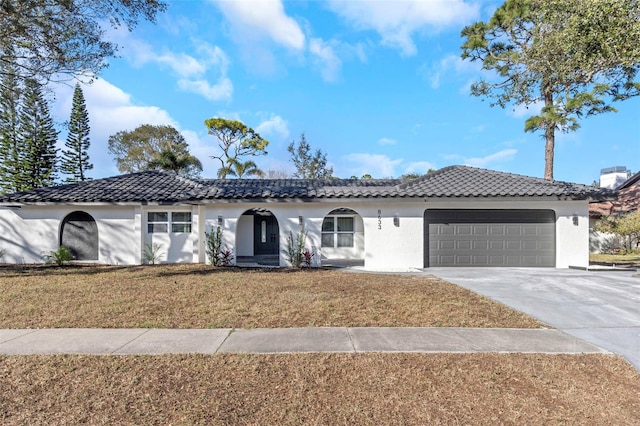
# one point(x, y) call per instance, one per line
point(338, 228)
point(79, 233)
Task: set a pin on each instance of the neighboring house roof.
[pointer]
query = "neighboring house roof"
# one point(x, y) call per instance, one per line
point(453, 181)
point(628, 199)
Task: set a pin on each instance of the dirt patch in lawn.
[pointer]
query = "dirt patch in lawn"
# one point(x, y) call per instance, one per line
point(198, 296)
point(319, 389)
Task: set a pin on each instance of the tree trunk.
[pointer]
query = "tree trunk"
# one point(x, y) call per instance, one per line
point(550, 140)
point(549, 132)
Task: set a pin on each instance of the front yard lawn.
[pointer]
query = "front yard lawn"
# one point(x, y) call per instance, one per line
point(287, 389)
point(320, 389)
point(198, 296)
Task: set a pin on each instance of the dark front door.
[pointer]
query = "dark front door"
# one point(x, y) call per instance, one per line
point(266, 235)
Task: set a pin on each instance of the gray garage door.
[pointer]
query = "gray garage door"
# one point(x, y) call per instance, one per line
point(489, 238)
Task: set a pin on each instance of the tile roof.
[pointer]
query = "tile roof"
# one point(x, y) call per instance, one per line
point(628, 199)
point(465, 181)
point(453, 181)
point(150, 186)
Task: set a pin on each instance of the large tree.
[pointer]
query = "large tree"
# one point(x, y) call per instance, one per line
point(55, 39)
point(150, 147)
point(235, 140)
point(573, 57)
point(308, 165)
point(185, 164)
point(12, 149)
point(75, 159)
point(38, 137)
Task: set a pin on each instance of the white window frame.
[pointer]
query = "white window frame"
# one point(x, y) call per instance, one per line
point(181, 223)
point(336, 233)
point(156, 225)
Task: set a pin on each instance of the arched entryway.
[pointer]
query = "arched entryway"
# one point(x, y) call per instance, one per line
point(79, 233)
point(258, 238)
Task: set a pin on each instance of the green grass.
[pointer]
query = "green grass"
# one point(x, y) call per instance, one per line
point(617, 259)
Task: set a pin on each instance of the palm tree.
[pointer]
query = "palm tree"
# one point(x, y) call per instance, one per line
point(240, 169)
point(185, 164)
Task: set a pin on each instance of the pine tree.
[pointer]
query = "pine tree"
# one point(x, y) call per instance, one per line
point(39, 137)
point(75, 159)
point(12, 176)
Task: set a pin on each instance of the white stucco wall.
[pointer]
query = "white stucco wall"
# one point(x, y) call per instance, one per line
point(244, 236)
point(572, 240)
point(174, 247)
point(29, 233)
point(26, 234)
point(387, 246)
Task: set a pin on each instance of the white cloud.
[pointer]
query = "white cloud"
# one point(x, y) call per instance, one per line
point(202, 146)
point(421, 167)
point(275, 126)
point(110, 111)
point(221, 90)
point(329, 62)
point(181, 63)
point(498, 157)
point(387, 141)
point(377, 165)
point(108, 104)
point(450, 62)
point(254, 20)
point(397, 21)
point(329, 56)
point(192, 72)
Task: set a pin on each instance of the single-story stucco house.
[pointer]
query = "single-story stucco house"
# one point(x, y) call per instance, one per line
point(456, 216)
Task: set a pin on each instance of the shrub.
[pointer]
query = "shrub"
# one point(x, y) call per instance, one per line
point(307, 257)
point(295, 251)
point(59, 256)
point(218, 254)
point(625, 225)
point(152, 253)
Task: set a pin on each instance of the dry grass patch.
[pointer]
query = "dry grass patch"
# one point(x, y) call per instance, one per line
point(322, 389)
point(197, 296)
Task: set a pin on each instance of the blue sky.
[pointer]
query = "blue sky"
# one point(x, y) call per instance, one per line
point(379, 86)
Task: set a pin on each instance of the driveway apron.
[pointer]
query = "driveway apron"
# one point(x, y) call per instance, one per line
point(600, 307)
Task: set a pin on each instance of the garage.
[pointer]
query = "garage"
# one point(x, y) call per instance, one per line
point(510, 238)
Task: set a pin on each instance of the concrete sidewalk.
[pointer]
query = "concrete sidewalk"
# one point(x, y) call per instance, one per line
point(289, 340)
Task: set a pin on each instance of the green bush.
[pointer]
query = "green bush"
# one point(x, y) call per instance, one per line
point(218, 254)
point(296, 252)
point(152, 253)
point(59, 256)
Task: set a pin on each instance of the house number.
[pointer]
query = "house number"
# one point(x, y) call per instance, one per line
point(379, 219)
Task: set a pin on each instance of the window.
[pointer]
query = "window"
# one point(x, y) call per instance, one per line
point(158, 222)
point(181, 222)
point(338, 231)
point(345, 231)
point(328, 232)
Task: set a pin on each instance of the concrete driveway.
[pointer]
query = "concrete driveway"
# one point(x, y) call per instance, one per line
point(600, 307)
